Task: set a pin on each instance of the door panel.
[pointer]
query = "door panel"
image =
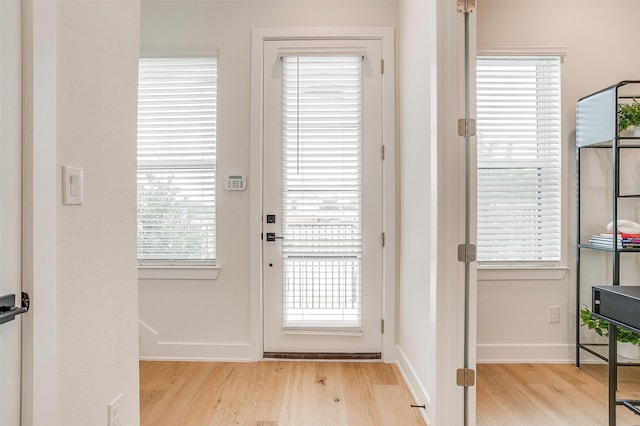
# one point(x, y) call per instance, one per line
point(322, 196)
point(10, 206)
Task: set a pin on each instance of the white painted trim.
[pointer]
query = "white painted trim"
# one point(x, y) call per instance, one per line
point(523, 50)
point(449, 196)
point(521, 274)
point(390, 199)
point(258, 37)
point(178, 273)
point(188, 52)
point(40, 200)
point(529, 353)
point(151, 343)
point(416, 387)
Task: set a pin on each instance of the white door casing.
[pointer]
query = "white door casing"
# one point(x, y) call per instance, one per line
point(260, 37)
point(10, 206)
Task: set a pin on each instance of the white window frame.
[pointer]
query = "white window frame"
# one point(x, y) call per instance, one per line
point(166, 270)
point(546, 269)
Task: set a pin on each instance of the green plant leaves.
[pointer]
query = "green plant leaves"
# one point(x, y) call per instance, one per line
point(601, 327)
point(629, 115)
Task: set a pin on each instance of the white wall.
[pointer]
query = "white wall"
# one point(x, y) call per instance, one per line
point(417, 74)
point(431, 288)
point(212, 319)
point(512, 308)
point(97, 294)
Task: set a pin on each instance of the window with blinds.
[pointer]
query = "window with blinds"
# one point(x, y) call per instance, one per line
point(518, 144)
point(176, 161)
point(322, 192)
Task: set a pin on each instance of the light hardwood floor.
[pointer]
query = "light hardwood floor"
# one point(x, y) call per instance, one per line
point(551, 394)
point(274, 393)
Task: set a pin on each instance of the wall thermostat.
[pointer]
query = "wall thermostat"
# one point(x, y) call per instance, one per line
point(236, 183)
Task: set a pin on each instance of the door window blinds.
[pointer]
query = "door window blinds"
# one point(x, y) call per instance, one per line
point(176, 160)
point(518, 108)
point(322, 192)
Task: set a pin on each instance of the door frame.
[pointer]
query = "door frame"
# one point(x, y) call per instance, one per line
point(40, 189)
point(452, 406)
point(258, 37)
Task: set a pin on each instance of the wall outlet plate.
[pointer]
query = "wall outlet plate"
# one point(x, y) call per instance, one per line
point(115, 412)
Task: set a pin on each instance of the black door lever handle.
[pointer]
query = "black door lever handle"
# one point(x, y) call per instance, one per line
point(8, 310)
point(271, 236)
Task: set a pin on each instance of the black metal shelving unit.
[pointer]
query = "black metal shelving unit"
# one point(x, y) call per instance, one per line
point(597, 130)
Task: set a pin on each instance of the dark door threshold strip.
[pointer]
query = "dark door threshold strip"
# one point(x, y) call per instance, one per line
point(323, 355)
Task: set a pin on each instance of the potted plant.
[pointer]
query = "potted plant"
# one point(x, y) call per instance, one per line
point(628, 341)
point(629, 115)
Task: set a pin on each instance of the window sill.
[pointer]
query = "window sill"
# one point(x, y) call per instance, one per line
point(178, 272)
point(522, 273)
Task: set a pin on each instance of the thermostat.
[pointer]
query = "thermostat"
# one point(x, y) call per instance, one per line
point(236, 183)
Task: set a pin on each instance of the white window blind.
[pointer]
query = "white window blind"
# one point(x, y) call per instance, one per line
point(518, 122)
point(322, 191)
point(176, 160)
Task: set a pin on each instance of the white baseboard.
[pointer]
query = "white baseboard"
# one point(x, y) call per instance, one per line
point(418, 391)
point(152, 349)
point(529, 353)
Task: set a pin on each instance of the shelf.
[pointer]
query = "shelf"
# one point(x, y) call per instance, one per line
point(597, 122)
point(609, 250)
point(601, 350)
point(624, 142)
point(596, 115)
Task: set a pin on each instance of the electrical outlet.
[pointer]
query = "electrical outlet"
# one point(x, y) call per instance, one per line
point(115, 412)
point(553, 314)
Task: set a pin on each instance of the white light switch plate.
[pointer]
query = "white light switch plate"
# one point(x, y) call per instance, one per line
point(72, 185)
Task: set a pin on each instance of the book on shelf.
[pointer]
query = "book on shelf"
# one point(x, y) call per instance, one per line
point(623, 240)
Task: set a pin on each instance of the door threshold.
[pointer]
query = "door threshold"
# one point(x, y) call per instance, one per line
point(349, 356)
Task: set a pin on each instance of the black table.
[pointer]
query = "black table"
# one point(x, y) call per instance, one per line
point(619, 305)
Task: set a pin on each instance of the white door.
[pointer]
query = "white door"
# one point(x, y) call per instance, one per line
point(10, 206)
point(322, 197)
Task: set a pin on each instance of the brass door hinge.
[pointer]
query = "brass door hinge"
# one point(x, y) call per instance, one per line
point(466, 253)
point(466, 6)
point(465, 377)
point(466, 127)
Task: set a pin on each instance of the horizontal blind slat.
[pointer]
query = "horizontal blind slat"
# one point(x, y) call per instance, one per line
point(176, 159)
point(322, 191)
point(518, 158)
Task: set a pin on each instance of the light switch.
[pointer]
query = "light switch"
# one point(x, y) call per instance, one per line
point(72, 185)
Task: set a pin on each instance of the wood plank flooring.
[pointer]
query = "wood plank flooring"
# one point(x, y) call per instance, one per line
point(551, 394)
point(274, 393)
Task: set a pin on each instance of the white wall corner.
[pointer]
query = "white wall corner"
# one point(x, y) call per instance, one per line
point(416, 387)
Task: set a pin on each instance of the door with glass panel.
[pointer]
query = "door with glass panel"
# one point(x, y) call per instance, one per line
point(322, 197)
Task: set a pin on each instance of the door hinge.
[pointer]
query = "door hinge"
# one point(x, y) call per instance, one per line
point(465, 377)
point(466, 253)
point(382, 152)
point(466, 6)
point(382, 326)
point(466, 127)
point(382, 239)
point(381, 66)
